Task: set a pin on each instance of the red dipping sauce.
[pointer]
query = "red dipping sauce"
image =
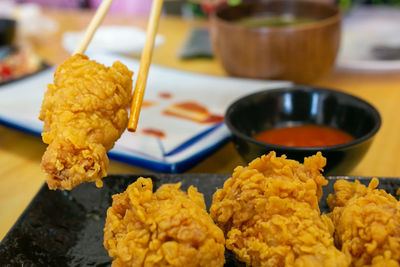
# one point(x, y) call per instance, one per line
point(304, 136)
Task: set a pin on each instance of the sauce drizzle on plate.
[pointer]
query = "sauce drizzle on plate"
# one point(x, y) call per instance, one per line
point(165, 95)
point(193, 111)
point(154, 132)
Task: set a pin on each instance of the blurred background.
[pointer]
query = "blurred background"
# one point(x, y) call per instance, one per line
point(370, 35)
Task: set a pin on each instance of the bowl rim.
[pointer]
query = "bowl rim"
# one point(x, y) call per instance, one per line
point(320, 23)
point(305, 88)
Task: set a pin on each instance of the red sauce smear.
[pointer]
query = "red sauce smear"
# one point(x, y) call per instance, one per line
point(304, 136)
point(213, 119)
point(193, 111)
point(192, 106)
point(146, 104)
point(154, 132)
point(165, 95)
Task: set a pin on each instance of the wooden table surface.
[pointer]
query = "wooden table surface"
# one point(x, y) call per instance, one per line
point(20, 153)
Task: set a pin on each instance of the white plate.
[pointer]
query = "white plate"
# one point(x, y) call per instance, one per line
point(114, 39)
point(363, 29)
point(185, 143)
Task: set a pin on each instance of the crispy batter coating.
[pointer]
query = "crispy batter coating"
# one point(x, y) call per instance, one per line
point(367, 223)
point(270, 215)
point(165, 228)
point(84, 114)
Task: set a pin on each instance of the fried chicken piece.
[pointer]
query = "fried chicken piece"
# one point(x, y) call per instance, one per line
point(270, 215)
point(84, 114)
point(165, 228)
point(367, 223)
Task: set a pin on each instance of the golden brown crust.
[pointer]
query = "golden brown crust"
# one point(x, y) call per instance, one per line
point(84, 114)
point(165, 228)
point(269, 212)
point(367, 223)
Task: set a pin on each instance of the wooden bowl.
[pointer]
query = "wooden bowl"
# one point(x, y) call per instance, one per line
point(300, 52)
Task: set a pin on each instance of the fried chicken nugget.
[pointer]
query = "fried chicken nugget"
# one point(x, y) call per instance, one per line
point(270, 215)
point(367, 222)
point(84, 114)
point(165, 228)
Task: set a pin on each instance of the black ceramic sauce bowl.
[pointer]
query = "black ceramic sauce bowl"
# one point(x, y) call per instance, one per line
point(300, 105)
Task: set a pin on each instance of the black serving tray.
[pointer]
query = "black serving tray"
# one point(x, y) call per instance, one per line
point(61, 228)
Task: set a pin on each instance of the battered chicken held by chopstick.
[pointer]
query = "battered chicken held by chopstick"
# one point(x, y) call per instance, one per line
point(367, 223)
point(270, 215)
point(84, 114)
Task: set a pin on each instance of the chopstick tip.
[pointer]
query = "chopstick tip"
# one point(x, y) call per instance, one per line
point(132, 123)
point(131, 129)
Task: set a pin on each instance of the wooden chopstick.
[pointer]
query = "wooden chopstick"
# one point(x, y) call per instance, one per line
point(145, 61)
point(94, 24)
